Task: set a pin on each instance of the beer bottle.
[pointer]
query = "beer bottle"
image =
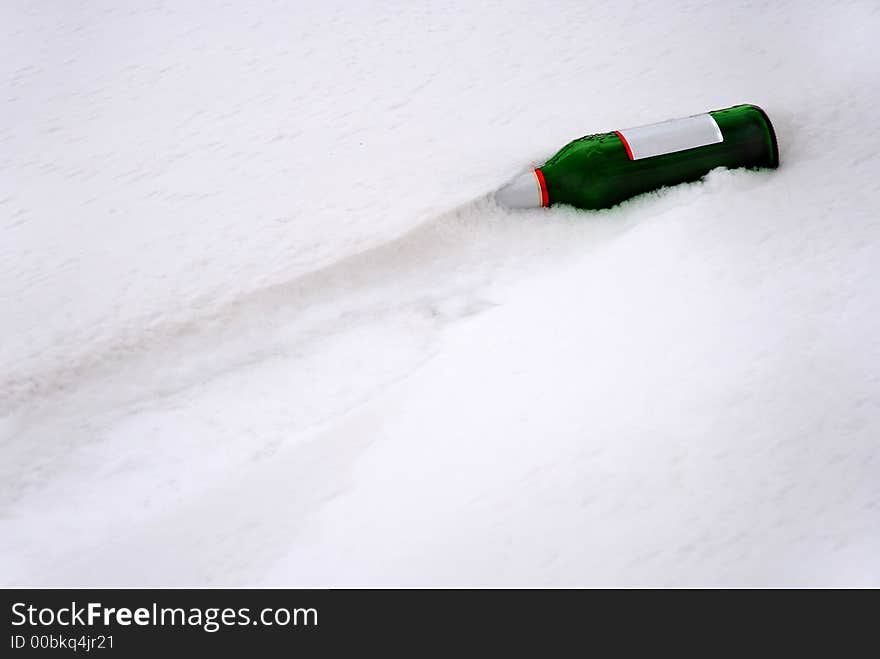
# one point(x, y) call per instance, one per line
point(600, 171)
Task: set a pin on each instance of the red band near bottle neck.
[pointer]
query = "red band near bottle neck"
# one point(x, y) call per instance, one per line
point(545, 198)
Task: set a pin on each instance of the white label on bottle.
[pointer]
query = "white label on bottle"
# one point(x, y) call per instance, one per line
point(670, 136)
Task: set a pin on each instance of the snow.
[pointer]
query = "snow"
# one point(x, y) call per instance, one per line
point(263, 325)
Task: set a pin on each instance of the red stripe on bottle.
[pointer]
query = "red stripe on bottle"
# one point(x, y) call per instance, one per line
point(545, 198)
point(629, 152)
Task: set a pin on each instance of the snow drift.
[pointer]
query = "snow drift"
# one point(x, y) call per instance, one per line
point(262, 325)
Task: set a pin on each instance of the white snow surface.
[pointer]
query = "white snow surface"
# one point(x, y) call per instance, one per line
point(262, 323)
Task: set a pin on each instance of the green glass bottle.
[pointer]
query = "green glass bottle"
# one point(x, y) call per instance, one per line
point(600, 171)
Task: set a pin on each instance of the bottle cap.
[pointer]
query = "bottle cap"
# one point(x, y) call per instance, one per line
point(524, 191)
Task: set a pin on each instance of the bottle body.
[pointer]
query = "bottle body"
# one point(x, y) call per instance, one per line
point(600, 171)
